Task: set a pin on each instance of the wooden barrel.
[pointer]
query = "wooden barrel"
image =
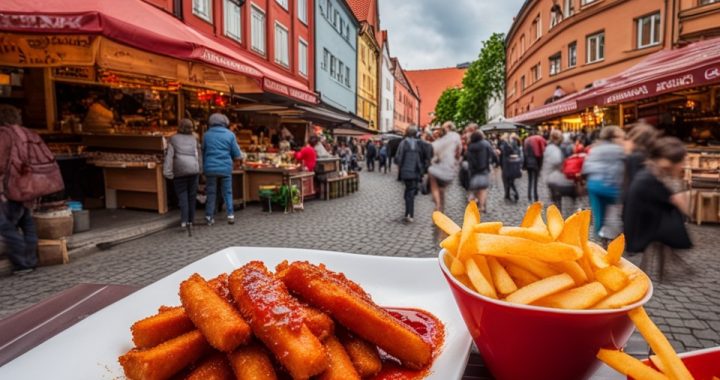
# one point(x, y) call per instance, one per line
point(54, 225)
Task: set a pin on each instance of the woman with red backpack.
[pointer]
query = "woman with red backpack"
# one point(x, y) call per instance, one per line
point(558, 184)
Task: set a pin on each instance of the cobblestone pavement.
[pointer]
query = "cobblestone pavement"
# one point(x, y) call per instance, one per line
point(367, 222)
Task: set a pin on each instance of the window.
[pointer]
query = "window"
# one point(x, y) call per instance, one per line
point(336, 17)
point(202, 9)
point(706, 2)
point(333, 63)
point(535, 71)
point(362, 53)
point(347, 32)
point(537, 27)
point(555, 64)
point(326, 57)
point(232, 20)
point(572, 54)
point(648, 30)
point(522, 83)
point(595, 48)
point(522, 44)
point(283, 3)
point(302, 10)
point(341, 72)
point(586, 2)
point(257, 30)
point(347, 76)
point(568, 10)
point(281, 45)
point(302, 58)
point(328, 9)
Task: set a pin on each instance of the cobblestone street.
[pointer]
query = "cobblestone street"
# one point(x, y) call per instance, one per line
point(367, 222)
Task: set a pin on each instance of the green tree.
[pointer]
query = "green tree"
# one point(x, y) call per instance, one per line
point(446, 108)
point(484, 80)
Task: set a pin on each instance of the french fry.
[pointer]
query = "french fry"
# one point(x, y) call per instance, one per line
point(487, 227)
point(585, 218)
point(576, 298)
point(451, 243)
point(584, 263)
point(657, 363)
point(535, 234)
point(555, 221)
point(615, 249)
point(444, 223)
point(536, 267)
point(674, 366)
point(481, 284)
point(503, 246)
point(472, 217)
point(465, 280)
point(612, 278)
point(504, 284)
point(521, 276)
point(540, 289)
point(482, 264)
point(570, 233)
point(633, 292)
point(531, 215)
point(628, 365)
point(596, 255)
point(573, 269)
point(457, 267)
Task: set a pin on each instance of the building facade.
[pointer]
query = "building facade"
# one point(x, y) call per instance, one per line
point(553, 52)
point(407, 99)
point(387, 88)
point(368, 59)
point(336, 31)
point(431, 84)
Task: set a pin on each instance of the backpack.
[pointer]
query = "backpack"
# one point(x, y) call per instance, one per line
point(572, 167)
point(31, 171)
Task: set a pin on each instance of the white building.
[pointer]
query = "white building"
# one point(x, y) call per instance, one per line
point(387, 89)
point(496, 109)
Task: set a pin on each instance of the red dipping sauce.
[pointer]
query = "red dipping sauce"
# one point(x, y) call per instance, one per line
point(428, 327)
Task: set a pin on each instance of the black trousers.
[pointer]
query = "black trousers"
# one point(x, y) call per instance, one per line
point(533, 184)
point(370, 163)
point(19, 234)
point(557, 192)
point(509, 185)
point(411, 189)
point(186, 191)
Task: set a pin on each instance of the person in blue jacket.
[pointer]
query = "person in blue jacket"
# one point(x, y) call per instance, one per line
point(219, 149)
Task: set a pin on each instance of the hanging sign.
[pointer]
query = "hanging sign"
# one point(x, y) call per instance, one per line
point(25, 50)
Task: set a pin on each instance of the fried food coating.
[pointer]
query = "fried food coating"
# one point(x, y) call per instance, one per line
point(277, 319)
point(166, 359)
point(252, 362)
point(168, 324)
point(214, 367)
point(364, 356)
point(355, 310)
point(318, 322)
point(341, 367)
point(220, 322)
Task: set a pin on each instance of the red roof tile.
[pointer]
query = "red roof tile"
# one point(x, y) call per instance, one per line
point(365, 10)
point(431, 83)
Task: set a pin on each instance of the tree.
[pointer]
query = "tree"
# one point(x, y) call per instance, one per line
point(446, 108)
point(484, 80)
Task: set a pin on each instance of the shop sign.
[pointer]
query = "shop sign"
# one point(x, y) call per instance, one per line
point(86, 73)
point(45, 22)
point(549, 110)
point(712, 73)
point(211, 57)
point(47, 50)
point(627, 94)
point(673, 83)
point(282, 89)
point(276, 87)
point(120, 57)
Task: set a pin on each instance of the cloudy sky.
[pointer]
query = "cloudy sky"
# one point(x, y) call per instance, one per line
point(442, 33)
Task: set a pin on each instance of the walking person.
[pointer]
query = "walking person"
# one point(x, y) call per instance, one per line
point(383, 158)
point(479, 156)
point(511, 163)
point(533, 149)
point(183, 163)
point(410, 159)
point(220, 149)
point(653, 219)
point(447, 150)
point(552, 172)
point(370, 155)
point(604, 168)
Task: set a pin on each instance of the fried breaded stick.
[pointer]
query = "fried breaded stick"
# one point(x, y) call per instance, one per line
point(219, 284)
point(215, 367)
point(220, 322)
point(166, 359)
point(318, 322)
point(252, 362)
point(327, 291)
point(168, 324)
point(277, 319)
point(364, 356)
point(341, 367)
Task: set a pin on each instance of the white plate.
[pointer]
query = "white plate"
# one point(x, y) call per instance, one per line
point(89, 349)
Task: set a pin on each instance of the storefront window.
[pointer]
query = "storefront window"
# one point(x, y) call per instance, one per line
point(648, 30)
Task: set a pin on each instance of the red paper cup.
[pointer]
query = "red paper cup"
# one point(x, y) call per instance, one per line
point(702, 364)
point(531, 342)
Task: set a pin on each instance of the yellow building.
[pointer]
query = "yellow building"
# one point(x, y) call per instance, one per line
point(367, 88)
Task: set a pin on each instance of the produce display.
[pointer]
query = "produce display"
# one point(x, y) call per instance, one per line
point(301, 321)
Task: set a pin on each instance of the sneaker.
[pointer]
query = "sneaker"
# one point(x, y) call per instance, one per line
point(20, 272)
point(209, 220)
point(183, 225)
point(408, 219)
point(231, 219)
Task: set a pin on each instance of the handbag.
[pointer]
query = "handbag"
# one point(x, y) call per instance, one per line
point(479, 181)
point(425, 185)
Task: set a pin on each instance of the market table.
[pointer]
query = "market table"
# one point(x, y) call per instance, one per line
point(32, 326)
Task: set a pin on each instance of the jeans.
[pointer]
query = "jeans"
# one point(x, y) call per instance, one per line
point(411, 189)
point(370, 163)
point(186, 191)
point(601, 195)
point(533, 184)
point(382, 165)
point(18, 232)
point(211, 190)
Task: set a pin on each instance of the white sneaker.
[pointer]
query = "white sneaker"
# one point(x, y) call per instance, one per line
point(231, 219)
point(183, 225)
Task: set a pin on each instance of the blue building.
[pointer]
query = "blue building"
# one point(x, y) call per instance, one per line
point(336, 31)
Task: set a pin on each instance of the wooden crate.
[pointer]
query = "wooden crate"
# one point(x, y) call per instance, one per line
point(52, 252)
